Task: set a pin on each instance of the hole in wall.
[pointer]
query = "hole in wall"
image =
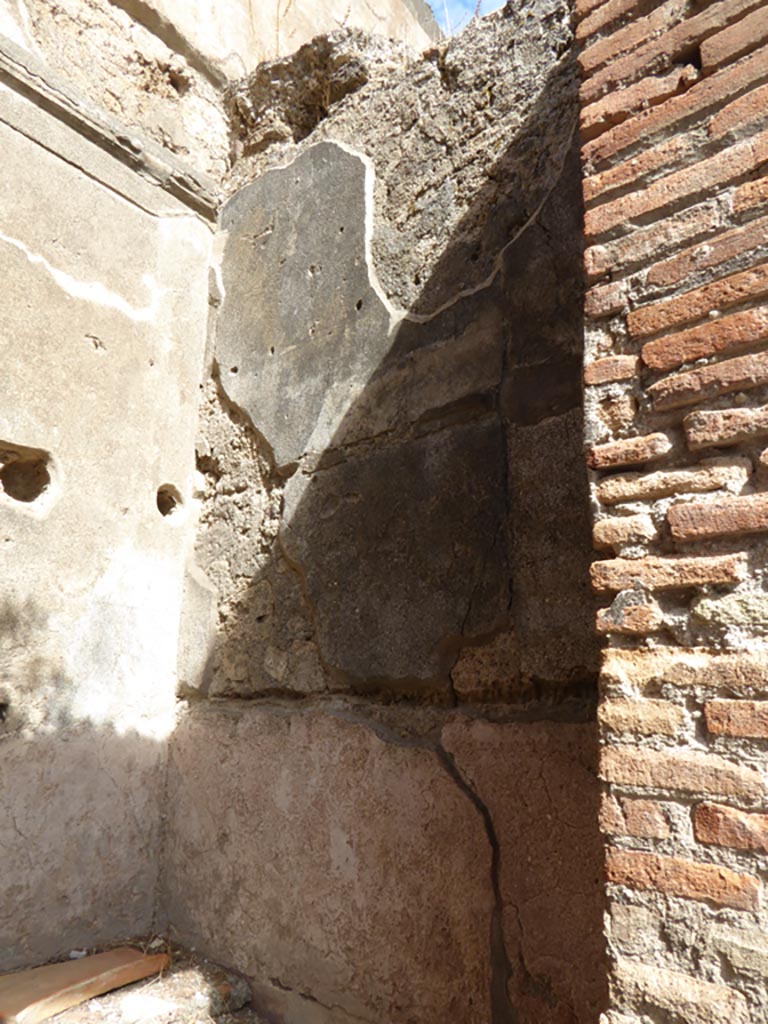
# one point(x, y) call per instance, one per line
point(5, 707)
point(234, 369)
point(24, 472)
point(359, 305)
point(168, 499)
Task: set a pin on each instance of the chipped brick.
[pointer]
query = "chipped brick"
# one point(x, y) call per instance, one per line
point(618, 531)
point(712, 253)
point(705, 428)
point(739, 374)
point(742, 718)
point(750, 194)
point(643, 819)
point(690, 771)
point(687, 668)
point(699, 302)
point(747, 111)
point(717, 825)
point(645, 717)
point(662, 18)
point(611, 369)
point(735, 40)
point(725, 518)
point(605, 299)
point(618, 106)
point(660, 573)
point(629, 451)
point(746, 328)
point(708, 475)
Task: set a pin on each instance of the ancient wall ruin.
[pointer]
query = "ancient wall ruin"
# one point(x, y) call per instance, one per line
point(300, 654)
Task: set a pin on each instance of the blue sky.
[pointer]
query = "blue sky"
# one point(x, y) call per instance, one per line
point(454, 14)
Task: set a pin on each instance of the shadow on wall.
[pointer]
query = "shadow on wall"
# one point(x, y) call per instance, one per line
point(80, 810)
point(398, 527)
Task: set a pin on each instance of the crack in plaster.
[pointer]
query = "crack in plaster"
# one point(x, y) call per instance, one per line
point(91, 291)
point(502, 1011)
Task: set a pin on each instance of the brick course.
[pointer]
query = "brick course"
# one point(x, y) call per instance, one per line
point(743, 718)
point(682, 771)
point(678, 877)
point(727, 826)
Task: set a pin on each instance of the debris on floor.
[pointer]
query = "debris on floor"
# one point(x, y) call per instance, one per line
point(191, 990)
point(27, 997)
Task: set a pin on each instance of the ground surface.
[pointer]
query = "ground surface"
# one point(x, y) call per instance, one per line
point(193, 991)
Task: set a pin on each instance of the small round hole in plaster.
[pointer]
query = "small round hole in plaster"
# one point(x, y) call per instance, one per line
point(359, 305)
point(25, 479)
point(234, 369)
point(168, 500)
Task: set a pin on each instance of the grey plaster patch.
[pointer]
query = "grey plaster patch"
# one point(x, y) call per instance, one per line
point(301, 327)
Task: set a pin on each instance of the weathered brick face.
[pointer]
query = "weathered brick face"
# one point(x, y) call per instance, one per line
point(674, 122)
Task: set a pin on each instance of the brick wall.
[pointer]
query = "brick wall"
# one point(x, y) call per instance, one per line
point(674, 118)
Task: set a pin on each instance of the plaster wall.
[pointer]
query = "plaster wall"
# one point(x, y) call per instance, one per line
point(392, 691)
point(102, 341)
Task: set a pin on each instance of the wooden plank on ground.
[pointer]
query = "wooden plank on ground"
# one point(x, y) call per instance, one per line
point(27, 997)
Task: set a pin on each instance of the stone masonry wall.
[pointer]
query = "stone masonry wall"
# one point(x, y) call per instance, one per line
point(674, 111)
point(388, 747)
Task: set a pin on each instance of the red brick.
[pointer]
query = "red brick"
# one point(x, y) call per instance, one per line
point(605, 13)
point(644, 717)
point(726, 518)
point(683, 771)
point(644, 245)
point(750, 194)
point(686, 878)
point(629, 451)
point(724, 334)
point(582, 8)
point(660, 52)
point(743, 718)
point(644, 819)
point(675, 151)
point(618, 531)
point(618, 106)
point(699, 302)
point(690, 669)
point(605, 300)
point(708, 475)
point(629, 619)
point(739, 374)
point(712, 92)
point(712, 253)
point(726, 826)
point(749, 111)
point(660, 20)
point(659, 573)
point(735, 41)
point(611, 369)
point(706, 429)
point(697, 179)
